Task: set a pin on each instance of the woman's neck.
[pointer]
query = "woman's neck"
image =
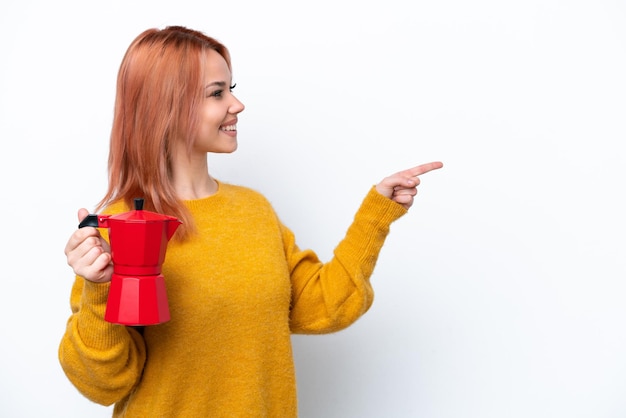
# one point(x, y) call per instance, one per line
point(191, 178)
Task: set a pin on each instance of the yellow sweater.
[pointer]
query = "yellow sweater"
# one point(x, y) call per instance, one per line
point(236, 292)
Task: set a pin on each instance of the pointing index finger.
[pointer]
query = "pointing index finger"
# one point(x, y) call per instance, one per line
point(424, 168)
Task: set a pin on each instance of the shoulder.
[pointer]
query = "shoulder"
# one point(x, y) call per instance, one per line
point(235, 200)
point(238, 192)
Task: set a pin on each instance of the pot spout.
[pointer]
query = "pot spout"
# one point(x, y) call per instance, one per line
point(172, 226)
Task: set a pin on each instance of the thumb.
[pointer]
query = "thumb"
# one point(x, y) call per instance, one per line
point(82, 214)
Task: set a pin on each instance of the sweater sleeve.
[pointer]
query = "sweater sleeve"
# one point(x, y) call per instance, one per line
point(327, 297)
point(103, 361)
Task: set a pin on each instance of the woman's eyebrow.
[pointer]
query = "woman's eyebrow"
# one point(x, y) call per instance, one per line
point(215, 83)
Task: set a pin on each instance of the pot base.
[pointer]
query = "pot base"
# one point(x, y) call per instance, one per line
point(137, 301)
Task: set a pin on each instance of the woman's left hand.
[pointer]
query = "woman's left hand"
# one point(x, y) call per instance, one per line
point(401, 187)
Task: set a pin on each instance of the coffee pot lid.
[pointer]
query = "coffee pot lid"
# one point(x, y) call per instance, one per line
point(139, 215)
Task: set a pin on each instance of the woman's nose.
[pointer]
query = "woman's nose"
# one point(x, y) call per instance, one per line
point(237, 106)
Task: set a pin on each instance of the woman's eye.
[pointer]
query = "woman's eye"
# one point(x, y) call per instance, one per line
point(219, 93)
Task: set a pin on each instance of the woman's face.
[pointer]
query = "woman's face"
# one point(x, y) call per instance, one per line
point(218, 112)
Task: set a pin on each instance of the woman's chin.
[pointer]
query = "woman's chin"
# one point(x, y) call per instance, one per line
point(226, 150)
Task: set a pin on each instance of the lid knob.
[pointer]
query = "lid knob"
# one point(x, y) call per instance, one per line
point(138, 203)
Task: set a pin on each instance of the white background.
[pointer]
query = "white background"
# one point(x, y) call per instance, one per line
point(501, 294)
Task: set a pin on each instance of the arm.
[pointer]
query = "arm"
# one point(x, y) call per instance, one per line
point(104, 361)
point(329, 297)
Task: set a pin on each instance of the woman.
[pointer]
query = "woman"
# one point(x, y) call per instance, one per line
point(238, 285)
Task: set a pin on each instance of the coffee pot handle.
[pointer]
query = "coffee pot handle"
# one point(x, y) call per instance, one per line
point(90, 220)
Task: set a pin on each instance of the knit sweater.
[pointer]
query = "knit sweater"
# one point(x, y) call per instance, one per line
point(236, 291)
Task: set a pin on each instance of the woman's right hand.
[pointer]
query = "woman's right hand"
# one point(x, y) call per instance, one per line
point(89, 254)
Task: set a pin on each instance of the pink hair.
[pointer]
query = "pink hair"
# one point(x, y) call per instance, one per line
point(159, 89)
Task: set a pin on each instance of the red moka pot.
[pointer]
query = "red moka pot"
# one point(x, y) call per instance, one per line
point(138, 240)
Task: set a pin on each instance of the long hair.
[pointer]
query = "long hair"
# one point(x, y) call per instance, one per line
point(159, 90)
